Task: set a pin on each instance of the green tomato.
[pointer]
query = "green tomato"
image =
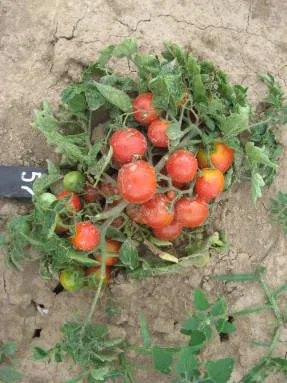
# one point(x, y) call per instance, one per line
point(72, 279)
point(74, 181)
point(46, 199)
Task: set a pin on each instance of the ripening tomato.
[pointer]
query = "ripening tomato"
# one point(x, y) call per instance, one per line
point(87, 236)
point(72, 279)
point(74, 181)
point(210, 184)
point(169, 232)
point(109, 189)
point(91, 194)
point(127, 143)
point(61, 225)
point(111, 247)
point(46, 200)
point(191, 212)
point(182, 166)
point(157, 133)
point(156, 212)
point(137, 181)
point(73, 204)
point(221, 157)
point(94, 276)
point(171, 194)
point(134, 212)
point(143, 109)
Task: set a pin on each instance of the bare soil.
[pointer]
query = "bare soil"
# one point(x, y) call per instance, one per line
point(44, 45)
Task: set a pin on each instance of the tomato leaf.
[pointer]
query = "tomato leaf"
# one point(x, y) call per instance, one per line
point(93, 97)
point(235, 123)
point(126, 48)
point(162, 359)
point(129, 255)
point(115, 96)
point(74, 96)
point(174, 131)
point(257, 156)
point(200, 301)
point(257, 183)
point(7, 349)
point(193, 68)
point(220, 370)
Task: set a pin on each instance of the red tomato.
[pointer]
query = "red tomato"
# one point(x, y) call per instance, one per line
point(87, 236)
point(191, 212)
point(91, 194)
point(210, 184)
point(127, 143)
point(134, 212)
point(94, 274)
point(143, 109)
point(169, 232)
point(74, 204)
point(112, 247)
point(137, 181)
point(171, 194)
point(109, 189)
point(221, 157)
point(157, 133)
point(182, 166)
point(156, 211)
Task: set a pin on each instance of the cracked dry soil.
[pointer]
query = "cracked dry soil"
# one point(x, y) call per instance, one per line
point(44, 46)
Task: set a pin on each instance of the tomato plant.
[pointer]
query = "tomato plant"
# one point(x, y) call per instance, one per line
point(94, 276)
point(74, 181)
point(111, 247)
point(72, 279)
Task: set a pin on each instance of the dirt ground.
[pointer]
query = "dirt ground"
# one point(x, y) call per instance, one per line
point(43, 46)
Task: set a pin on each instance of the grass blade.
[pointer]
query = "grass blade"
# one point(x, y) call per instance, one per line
point(236, 277)
point(251, 310)
point(144, 331)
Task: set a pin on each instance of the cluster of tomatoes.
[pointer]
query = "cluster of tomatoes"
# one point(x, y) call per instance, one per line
point(166, 196)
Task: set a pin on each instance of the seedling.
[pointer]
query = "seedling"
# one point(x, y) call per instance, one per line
point(8, 373)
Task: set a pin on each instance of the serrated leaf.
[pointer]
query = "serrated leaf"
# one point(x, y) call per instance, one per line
point(115, 96)
point(144, 331)
point(235, 123)
point(220, 370)
point(9, 375)
point(174, 131)
point(187, 363)
point(129, 255)
point(74, 97)
point(160, 242)
point(39, 353)
point(126, 48)
point(94, 98)
point(100, 373)
point(257, 155)
point(257, 183)
point(162, 359)
point(193, 68)
point(200, 301)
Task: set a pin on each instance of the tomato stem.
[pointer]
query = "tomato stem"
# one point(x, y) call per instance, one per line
point(114, 212)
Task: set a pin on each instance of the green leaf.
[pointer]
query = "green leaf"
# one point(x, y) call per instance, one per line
point(220, 370)
point(39, 353)
point(162, 359)
point(9, 375)
point(129, 254)
point(200, 301)
point(193, 68)
point(218, 308)
point(126, 48)
point(7, 349)
point(74, 97)
point(197, 341)
point(100, 373)
point(82, 259)
point(42, 184)
point(115, 96)
point(75, 380)
point(187, 363)
point(174, 131)
point(160, 242)
point(257, 183)
point(257, 155)
point(94, 98)
point(115, 234)
point(235, 123)
point(190, 325)
point(224, 326)
point(236, 277)
point(144, 331)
